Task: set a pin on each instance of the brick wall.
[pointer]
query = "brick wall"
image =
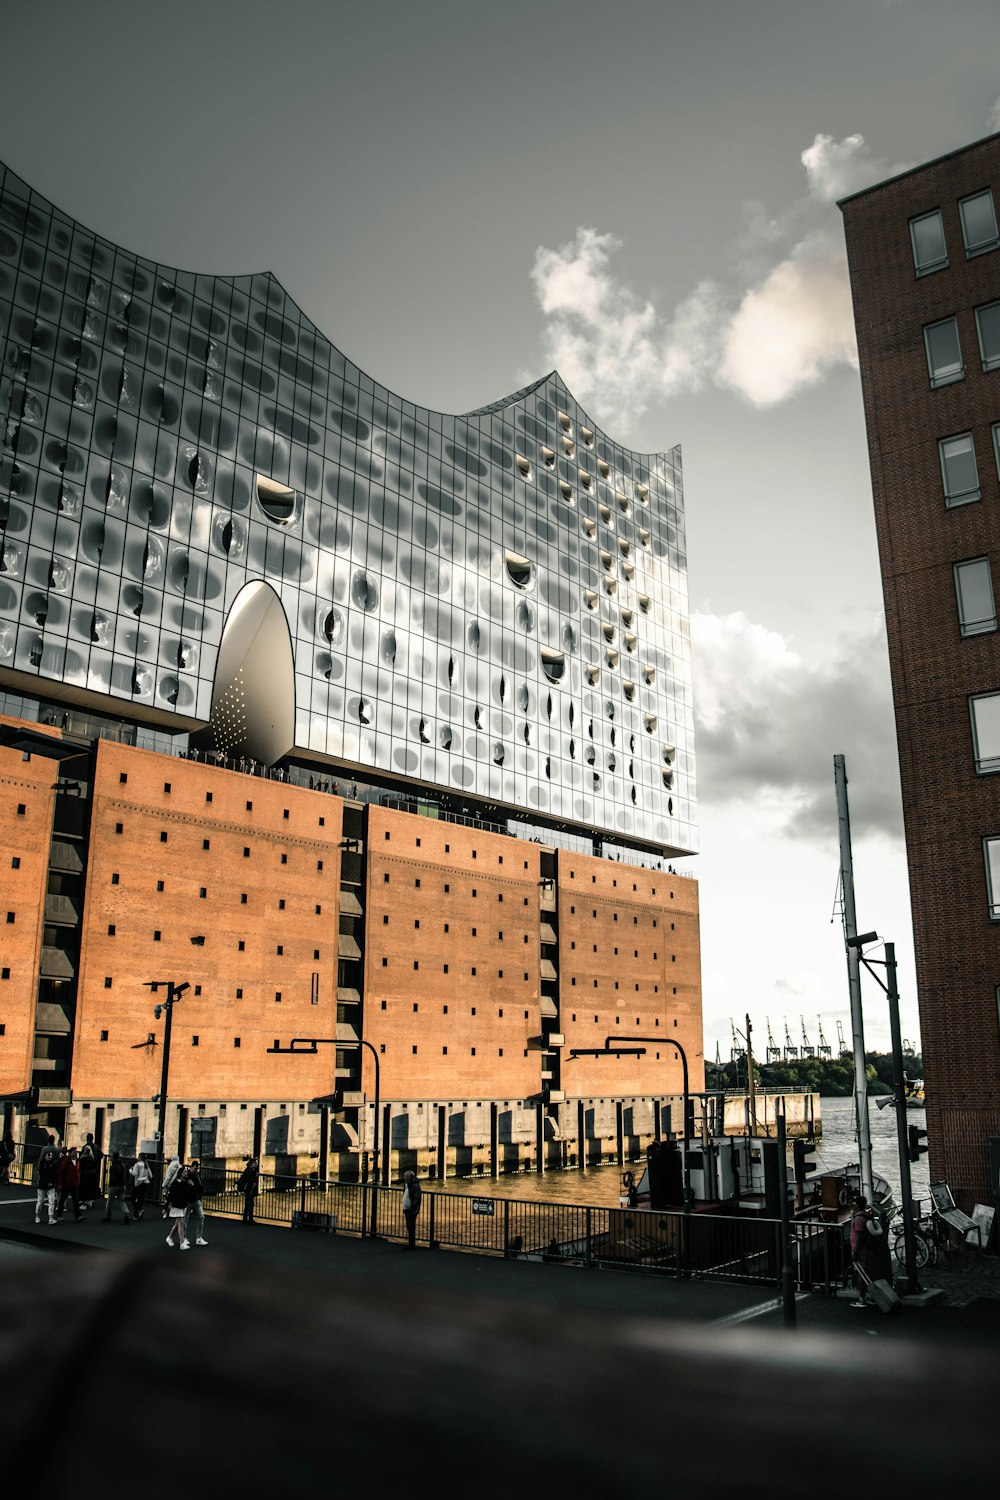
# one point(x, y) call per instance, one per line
point(948, 809)
point(26, 802)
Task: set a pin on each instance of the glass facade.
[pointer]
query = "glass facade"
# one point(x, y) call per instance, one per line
point(493, 603)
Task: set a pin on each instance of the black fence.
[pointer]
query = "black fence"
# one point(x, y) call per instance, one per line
point(722, 1247)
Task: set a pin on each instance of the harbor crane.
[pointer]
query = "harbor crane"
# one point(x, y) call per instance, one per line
point(842, 1046)
point(808, 1050)
point(737, 1052)
point(791, 1051)
point(823, 1048)
point(908, 1049)
point(773, 1050)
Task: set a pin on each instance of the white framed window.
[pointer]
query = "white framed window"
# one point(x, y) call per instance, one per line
point(984, 709)
point(944, 352)
point(991, 859)
point(959, 472)
point(988, 325)
point(930, 253)
point(979, 223)
point(977, 611)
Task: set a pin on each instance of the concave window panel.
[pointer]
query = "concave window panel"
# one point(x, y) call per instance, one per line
point(277, 501)
point(590, 598)
point(592, 673)
point(523, 464)
point(588, 436)
point(645, 603)
point(548, 458)
point(991, 859)
point(520, 571)
point(944, 352)
point(959, 471)
point(566, 490)
point(590, 527)
point(628, 688)
point(988, 327)
point(553, 664)
point(642, 490)
point(565, 422)
point(984, 709)
point(608, 629)
point(603, 468)
point(605, 513)
point(930, 253)
point(977, 611)
point(979, 223)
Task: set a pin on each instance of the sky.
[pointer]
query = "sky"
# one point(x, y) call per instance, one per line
point(464, 196)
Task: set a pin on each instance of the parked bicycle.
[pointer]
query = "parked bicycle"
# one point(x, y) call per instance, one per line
point(925, 1242)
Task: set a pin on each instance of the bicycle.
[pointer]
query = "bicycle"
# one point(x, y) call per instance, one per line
point(924, 1238)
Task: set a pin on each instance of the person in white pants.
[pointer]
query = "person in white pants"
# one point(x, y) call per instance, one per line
point(45, 1184)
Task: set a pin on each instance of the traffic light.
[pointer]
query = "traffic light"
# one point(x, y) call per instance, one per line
point(804, 1160)
point(917, 1142)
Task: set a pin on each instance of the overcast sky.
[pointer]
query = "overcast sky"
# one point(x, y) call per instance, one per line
point(463, 195)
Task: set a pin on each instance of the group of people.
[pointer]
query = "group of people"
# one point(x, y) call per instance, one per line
point(71, 1176)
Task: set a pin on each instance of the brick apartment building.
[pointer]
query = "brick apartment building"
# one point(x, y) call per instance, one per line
point(924, 256)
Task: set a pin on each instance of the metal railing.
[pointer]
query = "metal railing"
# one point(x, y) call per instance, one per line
point(707, 1246)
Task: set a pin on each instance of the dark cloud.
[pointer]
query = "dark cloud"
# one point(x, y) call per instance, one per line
point(769, 723)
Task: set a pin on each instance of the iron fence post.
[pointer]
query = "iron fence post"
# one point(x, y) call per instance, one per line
point(587, 1259)
point(364, 1209)
point(430, 1230)
point(506, 1228)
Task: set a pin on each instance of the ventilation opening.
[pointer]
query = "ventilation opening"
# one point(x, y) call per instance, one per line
point(609, 630)
point(498, 755)
point(668, 780)
point(605, 514)
point(593, 673)
point(650, 675)
point(603, 468)
point(627, 617)
point(445, 737)
point(622, 502)
point(520, 571)
point(590, 598)
point(611, 585)
point(585, 479)
point(668, 754)
point(589, 527)
point(548, 458)
point(523, 464)
point(644, 603)
point(644, 536)
point(624, 546)
point(607, 559)
point(277, 501)
point(628, 688)
point(642, 490)
point(650, 723)
point(630, 642)
point(553, 664)
point(566, 490)
point(564, 422)
point(612, 657)
point(588, 436)
point(628, 568)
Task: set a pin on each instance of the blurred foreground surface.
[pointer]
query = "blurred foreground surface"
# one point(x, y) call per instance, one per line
point(245, 1381)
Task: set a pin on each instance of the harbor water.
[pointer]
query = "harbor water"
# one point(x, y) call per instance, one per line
point(598, 1186)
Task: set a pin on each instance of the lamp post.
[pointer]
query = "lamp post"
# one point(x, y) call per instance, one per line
point(612, 1047)
point(889, 986)
point(310, 1045)
point(165, 1009)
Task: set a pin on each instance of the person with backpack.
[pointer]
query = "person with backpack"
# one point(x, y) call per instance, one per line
point(117, 1188)
point(141, 1178)
point(178, 1201)
point(196, 1213)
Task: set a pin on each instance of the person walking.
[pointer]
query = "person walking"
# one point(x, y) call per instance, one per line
point(412, 1194)
point(866, 1228)
point(46, 1168)
point(68, 1181)
point(247, 1184)
point(196, 1211)
point(173, 1167)
point(117, 1188)
point(178, 1198)
point(141, 1178)
point(90, 1177)
point(8, 1156)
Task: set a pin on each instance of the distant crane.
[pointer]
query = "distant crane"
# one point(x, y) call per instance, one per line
point(909, 1049)
point(718, 1055)
point(773, 1050)
point(808, 1050)
point(736, 1052)
point(791, 1051)
point(842, 1046)
point(823, 1049)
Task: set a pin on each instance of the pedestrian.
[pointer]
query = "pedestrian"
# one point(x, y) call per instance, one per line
point(196, 1212)
point(178, 1199)
point(8, 1156)
point(117, 1188)
point(863, 1245)
point(90, 1177)
point(141, 1178)
point(173, 1167)
point(46, 1168)
point(247, 1185)
point(99, 1159)
point(412, 1194)
point(68, 1181)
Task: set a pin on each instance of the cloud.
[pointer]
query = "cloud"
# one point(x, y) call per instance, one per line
point(777, 325)
point(768, 724)
point(836, 168)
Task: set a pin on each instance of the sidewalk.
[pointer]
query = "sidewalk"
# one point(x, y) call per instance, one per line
point(386, 1263)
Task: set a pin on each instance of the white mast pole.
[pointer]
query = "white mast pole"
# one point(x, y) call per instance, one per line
point(853, 979)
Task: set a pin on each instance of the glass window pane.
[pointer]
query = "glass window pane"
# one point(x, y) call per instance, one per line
point(944, 353)
point(958, 469)
point(988, 323)
point(985, 710)
point(979, 223)
point(991, 855)
point(977, 611)
point(927, 238)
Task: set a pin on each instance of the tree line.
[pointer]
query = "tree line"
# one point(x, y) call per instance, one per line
point(830, 1076)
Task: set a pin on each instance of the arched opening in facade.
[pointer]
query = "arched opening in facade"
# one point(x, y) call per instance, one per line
point(253, 695)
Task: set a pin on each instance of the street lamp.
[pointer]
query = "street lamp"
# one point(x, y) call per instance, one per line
point(891, 991)
point(310, 1045)
point(612, 1047)
point(165, 1008)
